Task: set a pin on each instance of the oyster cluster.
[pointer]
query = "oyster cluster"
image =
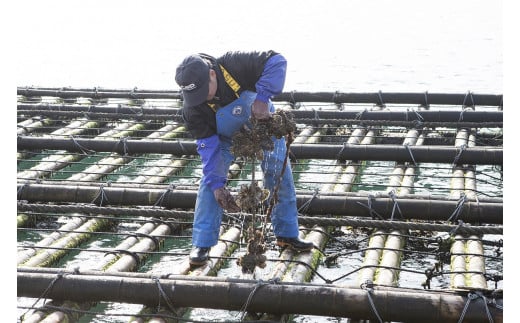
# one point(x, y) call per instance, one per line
point(250, 143)
point(250, 196)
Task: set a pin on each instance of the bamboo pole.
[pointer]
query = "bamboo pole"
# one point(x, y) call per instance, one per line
point(72, 224)
point(475, 263)
point(407, 182)
point(227, 244)
point(458, 262)
point(129, 263)
point(396, 178)
point(47, 166)
point(58, 161)
point(114, 262)
point(104, 264)
point(158, 112)
point(74, 128)
point(299, 273)
point(24, 220)
point(304, 135)
point(464, 182)
point(108, 259)
point(470, 183)
point(372, 257)
point(30, 124)
point(278, 271)
point(391, 259)
point(349, 172)
point(45, 257)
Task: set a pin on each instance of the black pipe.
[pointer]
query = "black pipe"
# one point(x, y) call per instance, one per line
point(432, 210)
point(99, 93)
point(423, 116)
point(381, 98)
point(401, 153)
point(398, 153)
point(138, 115)
point(279, 298)
point(323, 220)
point(163, 186)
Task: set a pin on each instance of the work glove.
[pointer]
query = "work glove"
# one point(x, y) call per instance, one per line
point(225, 200)
point(260, 111)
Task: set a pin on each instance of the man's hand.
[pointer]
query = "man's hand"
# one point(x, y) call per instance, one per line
point(225, 200)
point(260, 111)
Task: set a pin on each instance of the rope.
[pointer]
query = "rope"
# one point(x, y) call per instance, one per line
point(293, 101)
point(456, 229)
point(59, 275)
point(316, 115)
point(132, 92)
point(335, 96)
point(137, 112)
point(162, 294)
point(161, 198)
point(305, 206)
point(132, 254)
point(426, 104)
point(184, 151)
point(368, 206)
point(419, 116)
point(381, 102)
point(341, 151)
point(20, 190)
point(259, 284)
point(101, 195)
point(393, 196)
point(459, 153)
point(471, 297)
point(460, 204)
point(368, 286)
point(407, 146)
point(470, 95)
point(359, 115)
point(84, 150)
point(125, 146)
point(155, 241)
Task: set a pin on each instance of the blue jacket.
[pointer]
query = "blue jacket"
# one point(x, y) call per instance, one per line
point(260, 72)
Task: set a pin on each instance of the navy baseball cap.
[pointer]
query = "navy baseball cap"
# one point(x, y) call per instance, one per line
point(192, 76)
